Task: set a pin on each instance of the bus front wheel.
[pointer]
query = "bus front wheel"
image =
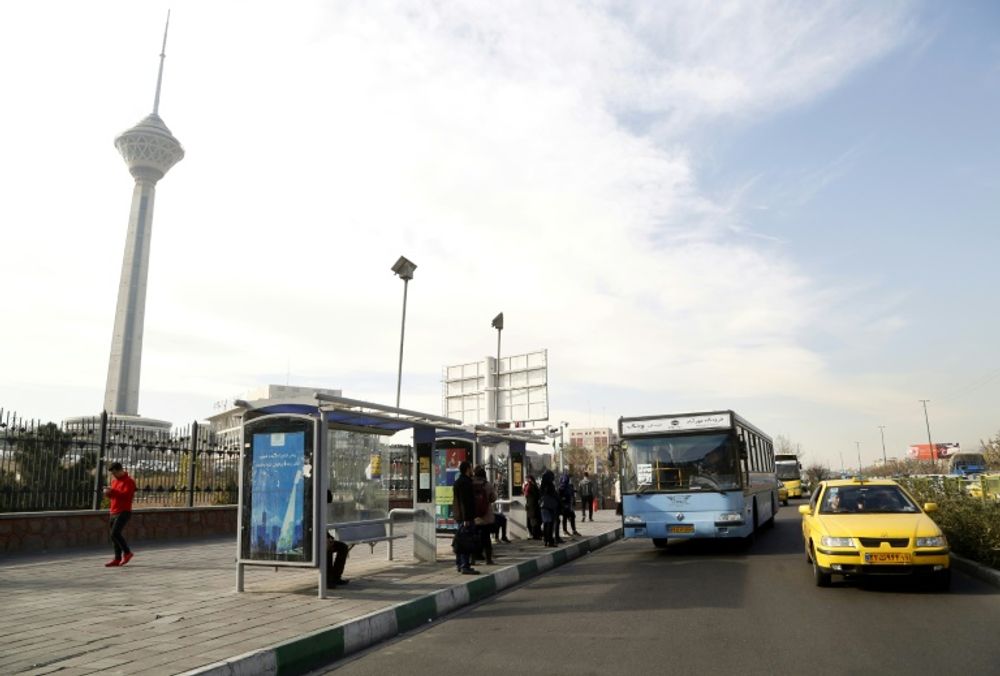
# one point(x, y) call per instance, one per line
point(661, 543)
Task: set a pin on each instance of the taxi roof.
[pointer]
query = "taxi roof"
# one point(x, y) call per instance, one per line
point(858, 481)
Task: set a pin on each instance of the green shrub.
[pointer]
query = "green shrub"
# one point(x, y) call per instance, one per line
point(971, 525)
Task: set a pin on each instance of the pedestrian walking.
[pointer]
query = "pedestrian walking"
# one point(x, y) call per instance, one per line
point(618, 497)
point(464, 512)
point(586, 490)
point(120, 492)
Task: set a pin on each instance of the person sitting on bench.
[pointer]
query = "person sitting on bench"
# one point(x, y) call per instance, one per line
point(336, 557)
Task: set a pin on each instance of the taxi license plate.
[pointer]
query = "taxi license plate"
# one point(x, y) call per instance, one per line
point(686, 528)
point(887, 557)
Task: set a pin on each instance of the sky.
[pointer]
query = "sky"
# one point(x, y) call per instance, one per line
point(785, 209)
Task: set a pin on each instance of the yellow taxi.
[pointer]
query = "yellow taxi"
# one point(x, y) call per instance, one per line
point(782, 493)
point(859, 527)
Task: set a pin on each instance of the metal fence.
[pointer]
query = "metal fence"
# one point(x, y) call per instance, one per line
point(49, 466)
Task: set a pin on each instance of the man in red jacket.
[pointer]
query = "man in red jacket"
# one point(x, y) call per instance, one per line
point(120, 491)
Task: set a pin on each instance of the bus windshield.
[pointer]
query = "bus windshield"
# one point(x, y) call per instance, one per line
point(681, 463)
point(787, 470)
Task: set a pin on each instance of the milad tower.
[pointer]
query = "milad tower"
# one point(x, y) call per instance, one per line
point(150, 150)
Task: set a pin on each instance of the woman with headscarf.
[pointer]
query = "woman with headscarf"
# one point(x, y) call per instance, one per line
point(549, 502)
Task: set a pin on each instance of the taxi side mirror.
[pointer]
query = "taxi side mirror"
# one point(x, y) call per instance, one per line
point(930, 507)
point(804, 509)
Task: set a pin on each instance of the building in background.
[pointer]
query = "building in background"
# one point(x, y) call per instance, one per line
point(596, 439)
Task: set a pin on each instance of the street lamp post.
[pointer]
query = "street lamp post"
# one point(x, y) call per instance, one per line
point(927, 421)
point(861, 472)
point(881, 429)
point(497, 324)
point(562, 446)
point(404, 268)
point(551, 431)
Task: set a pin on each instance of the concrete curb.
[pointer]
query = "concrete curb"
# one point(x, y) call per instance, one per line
point(976, 570)
point(309, 652)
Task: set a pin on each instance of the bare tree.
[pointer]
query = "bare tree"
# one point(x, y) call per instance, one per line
point(785, 446)
point(991, 451)
point(816, 473)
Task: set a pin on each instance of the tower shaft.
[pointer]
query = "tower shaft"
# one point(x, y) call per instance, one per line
point(121, 395)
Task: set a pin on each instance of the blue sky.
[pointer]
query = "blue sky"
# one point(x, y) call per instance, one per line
point(789, 209)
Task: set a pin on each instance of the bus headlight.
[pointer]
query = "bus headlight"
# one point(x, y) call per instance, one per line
point(730, 517)
point(633, 519)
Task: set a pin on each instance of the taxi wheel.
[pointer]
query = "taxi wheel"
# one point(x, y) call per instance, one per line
point(819, 577)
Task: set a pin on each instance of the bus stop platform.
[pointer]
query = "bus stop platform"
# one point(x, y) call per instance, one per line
point(174, 609)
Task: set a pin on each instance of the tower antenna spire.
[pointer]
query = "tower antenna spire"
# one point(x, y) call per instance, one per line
point(159, 76)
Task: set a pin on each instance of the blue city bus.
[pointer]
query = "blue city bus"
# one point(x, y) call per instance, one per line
point(695, 476)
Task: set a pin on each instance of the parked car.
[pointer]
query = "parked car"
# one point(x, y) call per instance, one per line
point(854, 527)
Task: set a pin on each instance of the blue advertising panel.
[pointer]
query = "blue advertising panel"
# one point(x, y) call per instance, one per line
point(277, 507)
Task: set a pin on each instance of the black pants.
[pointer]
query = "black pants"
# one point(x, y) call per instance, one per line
point(485, 542)
point(118, 522)
point(547, 529)
point(586, 505)
point(336, 560)
point(569, 517)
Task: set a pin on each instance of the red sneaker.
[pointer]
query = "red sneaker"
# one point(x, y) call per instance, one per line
point(113, 563)
point(126, 558)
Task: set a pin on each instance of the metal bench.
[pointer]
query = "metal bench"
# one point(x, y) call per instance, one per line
point(370, 532)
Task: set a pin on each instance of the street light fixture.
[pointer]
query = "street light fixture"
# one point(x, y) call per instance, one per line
point(404, 268)
point(497, 324)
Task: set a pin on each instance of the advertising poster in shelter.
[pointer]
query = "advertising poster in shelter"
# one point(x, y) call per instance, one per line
point(278, 495)
point(446, 462)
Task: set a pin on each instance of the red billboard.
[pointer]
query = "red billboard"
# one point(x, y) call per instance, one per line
point(923, 451)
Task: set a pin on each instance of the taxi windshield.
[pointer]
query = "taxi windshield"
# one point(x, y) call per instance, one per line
point(866, 499)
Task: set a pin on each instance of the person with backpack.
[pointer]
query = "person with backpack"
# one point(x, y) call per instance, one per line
point(586, 490)
point(484, 496)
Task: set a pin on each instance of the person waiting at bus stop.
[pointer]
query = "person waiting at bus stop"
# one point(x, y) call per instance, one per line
point(549, 504)
point(336, 556)
point(464, 512)
point(586, 490)
point(567, 498)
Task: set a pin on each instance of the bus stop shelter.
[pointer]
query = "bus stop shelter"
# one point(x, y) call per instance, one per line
point(299, 477)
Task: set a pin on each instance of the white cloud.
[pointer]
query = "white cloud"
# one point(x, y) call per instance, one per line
point(488, 142)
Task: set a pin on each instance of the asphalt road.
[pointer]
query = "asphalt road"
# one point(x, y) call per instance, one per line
point(630, 608)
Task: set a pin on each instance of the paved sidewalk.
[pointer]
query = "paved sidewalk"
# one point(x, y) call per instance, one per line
point(174, 608)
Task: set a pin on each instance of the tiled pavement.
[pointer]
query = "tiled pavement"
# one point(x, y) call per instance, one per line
point(174, 608)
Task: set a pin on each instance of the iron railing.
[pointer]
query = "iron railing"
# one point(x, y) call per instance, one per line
point(49, 466)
